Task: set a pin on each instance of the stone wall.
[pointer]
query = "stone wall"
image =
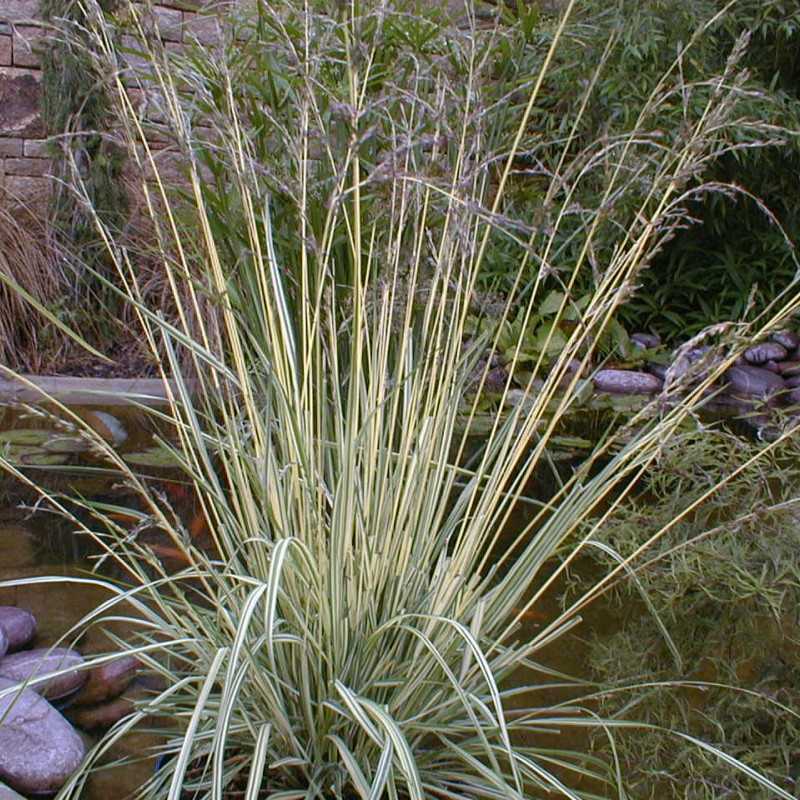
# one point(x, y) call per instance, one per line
point(24, 157)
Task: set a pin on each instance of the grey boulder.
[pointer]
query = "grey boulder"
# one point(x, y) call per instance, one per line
point(32, 664)
point(621, 381)
point(768, 351)
point(19, 626)
point(754, 382)
point(39, 749)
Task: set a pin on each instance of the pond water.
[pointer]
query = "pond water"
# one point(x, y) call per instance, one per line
point(37, 543)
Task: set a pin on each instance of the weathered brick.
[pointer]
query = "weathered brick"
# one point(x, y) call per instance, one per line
point(203, 28)
point(30, 167)
point(27, 44)
point(36, 148)
point(169, 165)
point(20, 92)
point(26, 191)
point(166, 22)
point(169, 23)
point(19, 10)
point(11, 147)
point(135, 56)
point(148, 104)
point(5, 51)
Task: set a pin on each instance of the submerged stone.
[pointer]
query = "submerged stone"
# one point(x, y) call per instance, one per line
point(19, 626)
point(31, 664)
point(39, 749)
point(620, 381)
point(107, 681)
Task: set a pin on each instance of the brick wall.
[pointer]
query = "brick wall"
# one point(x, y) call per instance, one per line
point(24, 160)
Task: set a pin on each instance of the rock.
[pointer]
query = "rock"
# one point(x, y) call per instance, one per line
point(767, 351)
point(754, 382)
point(3, 643)
point(645, 341)
point(788, 339)
point(34, 663)
point(789, 367)
point(107, 681)
point(793, 381)
point(772, 366)
point(104, 715)
point(20, 102)
point(572, 367)
point(38, 748)
point(19, 626)
point(684, 359)
point(9, 794)
point(495, 380)
point(794, 397)
point(620, 381)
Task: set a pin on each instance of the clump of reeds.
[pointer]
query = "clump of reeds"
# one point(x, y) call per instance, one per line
point(350, 626)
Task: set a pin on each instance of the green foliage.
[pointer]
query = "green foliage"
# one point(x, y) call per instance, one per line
point(717, 654)
point(728, 245)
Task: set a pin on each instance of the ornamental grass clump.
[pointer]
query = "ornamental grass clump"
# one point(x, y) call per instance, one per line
point(350, 625)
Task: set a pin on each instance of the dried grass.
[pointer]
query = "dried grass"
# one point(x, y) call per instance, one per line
point(30, 260)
